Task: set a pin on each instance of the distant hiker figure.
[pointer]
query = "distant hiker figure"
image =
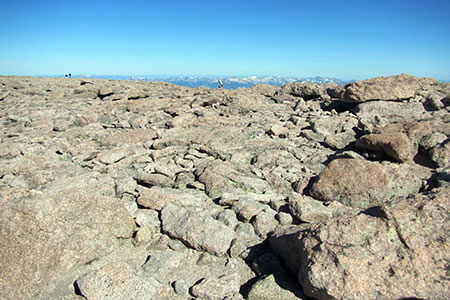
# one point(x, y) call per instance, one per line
point(66, 75)
point(219, 82)
point(70, 75)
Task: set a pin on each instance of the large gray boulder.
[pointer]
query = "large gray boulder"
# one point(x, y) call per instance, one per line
point(376, 114)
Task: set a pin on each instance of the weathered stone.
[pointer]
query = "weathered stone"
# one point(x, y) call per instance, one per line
point(196, 229)
point(73, 176)
point(217, 288)
point(395, 145)
point(307, 209)
point(278, 130)
point(284, 218)
point(111, 156)
point(269, 288)
point(353, 182)
point(385, 88)
point(157, 197)
point(48, 238)
point(265, 222)
point(153, 179)
point(399, 252)
point(440, 154)
point(118, 280)
point(228, 217)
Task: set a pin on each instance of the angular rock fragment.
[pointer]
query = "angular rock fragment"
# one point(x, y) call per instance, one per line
point(308, 209)
point(440, 154)
point(265, 222)
point(111, 156)
point(153, 179)
point(217, 288)
point(278, 130)
point(196, 229)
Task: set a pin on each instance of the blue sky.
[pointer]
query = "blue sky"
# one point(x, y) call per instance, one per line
point(343, 39)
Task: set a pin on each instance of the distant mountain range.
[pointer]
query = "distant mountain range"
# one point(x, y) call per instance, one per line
point(232, 82)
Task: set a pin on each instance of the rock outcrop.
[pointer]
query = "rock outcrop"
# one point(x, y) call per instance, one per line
point(144, 190)
point(395, 251)
point(386, 88)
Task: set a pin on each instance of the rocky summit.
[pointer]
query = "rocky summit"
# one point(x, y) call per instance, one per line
point(147, 190)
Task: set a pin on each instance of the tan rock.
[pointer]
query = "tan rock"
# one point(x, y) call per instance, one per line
point(48, 238)
point(132, 136)
point(385, 88)
point(118, 280)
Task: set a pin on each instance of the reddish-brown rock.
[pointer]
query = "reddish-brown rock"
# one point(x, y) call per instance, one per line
point(353, 182)
point(395, 145)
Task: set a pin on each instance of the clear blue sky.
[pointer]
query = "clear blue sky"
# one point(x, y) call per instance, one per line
point(344, 39)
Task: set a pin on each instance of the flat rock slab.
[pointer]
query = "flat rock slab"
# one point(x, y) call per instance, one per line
point(118, 280)
point(217, 288)
point(385, 88)
point(47, 238)
point(158, 197)
point(196, 229)
point(111, 156)
point(132, 136)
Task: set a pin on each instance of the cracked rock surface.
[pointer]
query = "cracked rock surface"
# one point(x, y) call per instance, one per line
point(142, 190)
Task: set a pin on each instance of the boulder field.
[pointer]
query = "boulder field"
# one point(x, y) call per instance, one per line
point(143, 190)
